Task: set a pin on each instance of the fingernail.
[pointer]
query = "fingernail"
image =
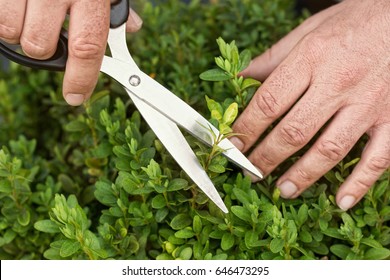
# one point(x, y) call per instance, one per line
point(237, 143)
point(74, 99)
point(135, 17)
point(287, 189)
point(253, 177)
point(347, 202)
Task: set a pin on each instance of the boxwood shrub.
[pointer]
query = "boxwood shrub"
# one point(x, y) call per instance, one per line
point(93, 182)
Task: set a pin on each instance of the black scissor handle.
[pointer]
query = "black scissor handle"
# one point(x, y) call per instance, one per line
point(118, 16)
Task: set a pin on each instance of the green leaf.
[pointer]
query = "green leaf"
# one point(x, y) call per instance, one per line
point(224, 129)
point(245, 59)
point(251, 238)
point(234, 54)
point(220, 62)
point(104, 193)
point(5, 186)
point(186, 253)
point(47, 226)
point(177, 184)
point(230, 114)
point(217, 168)
point(340, 250)
point(158, 201)
point(215, 108)
point(371, 242)
point(76, 126)
point(276, 245)
point(377, 254)
point(352, 162)
point(197, 224)
point(215, 75)
point(69, 247)
point(323, 224)
point(303, 214)
point(241, 195)
point(334, 232)
point(242, 213)
point(227, 241)
point(185, 233)
point(305, 236)
point(24, 217)
point(222, 47)
point(380, 189)
point(249, 82)
point(9, 236)
point(161, 214)
point(181, 221)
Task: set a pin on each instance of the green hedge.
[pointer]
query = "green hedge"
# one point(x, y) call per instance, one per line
point(93, 182)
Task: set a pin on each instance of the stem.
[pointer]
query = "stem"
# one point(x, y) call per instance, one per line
point(214, 151)
point(239, 91)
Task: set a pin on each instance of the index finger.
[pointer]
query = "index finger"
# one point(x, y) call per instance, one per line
point(88, 31)
point(275, 96)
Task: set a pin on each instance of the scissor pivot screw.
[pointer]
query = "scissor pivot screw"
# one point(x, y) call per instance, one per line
point(134, 80)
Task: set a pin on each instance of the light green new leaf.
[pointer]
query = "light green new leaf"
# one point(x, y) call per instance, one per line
point(249, 82)
point(230, 114)
point(215, 108)
point(186, 253)
point(224, 129)
point(222, 46)
point(184, 233)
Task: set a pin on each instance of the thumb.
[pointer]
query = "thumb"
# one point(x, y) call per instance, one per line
point(263, 65)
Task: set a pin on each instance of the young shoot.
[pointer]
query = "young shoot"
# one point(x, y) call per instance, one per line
point(230, 64)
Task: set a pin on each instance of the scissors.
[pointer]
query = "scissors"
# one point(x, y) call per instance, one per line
point(163, 111)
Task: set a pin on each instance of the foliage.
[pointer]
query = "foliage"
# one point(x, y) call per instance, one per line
point(94, 182)
point(230, 64)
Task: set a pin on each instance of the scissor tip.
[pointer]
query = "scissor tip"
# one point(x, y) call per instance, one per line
point(224, 209)
point(255, 175)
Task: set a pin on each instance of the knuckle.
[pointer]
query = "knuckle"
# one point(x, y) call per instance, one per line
point(363, 184)
point(331, 150)
point(293, 135)
point(267, 104)
point(86, 49)
point(265, 161)
point(378, 164)
point(9, 33)
point(304, 176)
point(37, 48)
point(79, 84)
point(313, 46)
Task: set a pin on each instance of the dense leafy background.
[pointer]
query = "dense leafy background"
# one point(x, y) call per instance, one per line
point(93, 182)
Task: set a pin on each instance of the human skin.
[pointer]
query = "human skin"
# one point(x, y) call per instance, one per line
point(36, 25)
point(332, 71)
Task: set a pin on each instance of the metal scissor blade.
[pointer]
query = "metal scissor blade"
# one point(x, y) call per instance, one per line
point(171, 106)
point(167, 131)
point(174, 141)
